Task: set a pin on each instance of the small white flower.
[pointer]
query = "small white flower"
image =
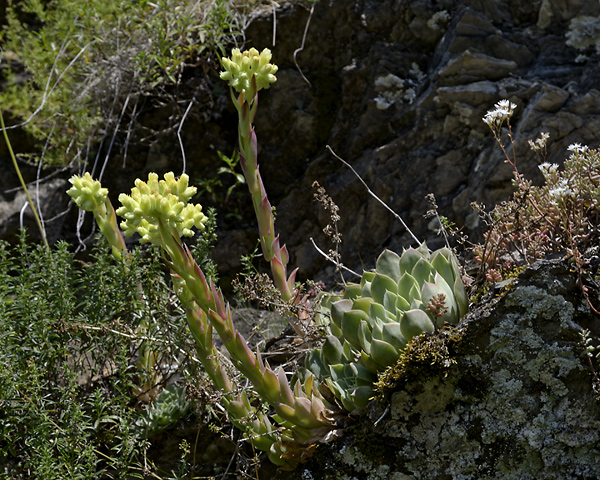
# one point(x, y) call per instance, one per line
point(560, 191)
point(577, 148)
point(547, 168)
point(540, 143)
point(504, 110)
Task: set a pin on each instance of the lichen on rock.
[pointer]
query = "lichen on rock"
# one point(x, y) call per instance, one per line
point(517, 403)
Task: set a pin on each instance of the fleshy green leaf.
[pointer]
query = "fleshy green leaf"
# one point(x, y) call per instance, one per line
point(337, 311)
point(388, 264)
point(415, 322)
point(383, 353)
point(350, 325)
point(382, 284)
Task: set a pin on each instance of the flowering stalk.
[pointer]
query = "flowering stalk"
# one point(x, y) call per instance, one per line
point(159, 211)
point(495, 120)
point(247, 73)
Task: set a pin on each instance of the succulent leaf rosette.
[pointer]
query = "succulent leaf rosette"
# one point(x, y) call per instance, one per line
point(160, 203)
point(373, 322)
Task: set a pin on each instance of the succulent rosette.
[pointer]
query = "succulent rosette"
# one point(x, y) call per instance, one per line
point(376, 318)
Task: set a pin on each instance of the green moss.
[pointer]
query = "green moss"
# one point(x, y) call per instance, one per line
point(426, 355)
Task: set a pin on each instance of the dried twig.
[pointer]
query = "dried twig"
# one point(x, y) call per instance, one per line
point(398, 217)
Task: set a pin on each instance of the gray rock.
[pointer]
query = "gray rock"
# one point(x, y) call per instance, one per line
point(469, 67)
point(517, 404)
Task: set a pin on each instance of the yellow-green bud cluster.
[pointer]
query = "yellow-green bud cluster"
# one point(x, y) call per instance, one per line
point(87, 193)
point(241, 67)
point(155, 202)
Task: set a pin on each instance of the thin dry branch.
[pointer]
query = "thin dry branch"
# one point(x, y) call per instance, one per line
point(398, 217)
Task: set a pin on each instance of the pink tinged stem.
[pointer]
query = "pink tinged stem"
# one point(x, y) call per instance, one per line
point(254, 104)
point(194, 278)
point(266, 228)
point(208, 355)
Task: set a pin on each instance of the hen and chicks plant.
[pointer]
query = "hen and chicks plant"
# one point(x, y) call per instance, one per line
point(368, 328)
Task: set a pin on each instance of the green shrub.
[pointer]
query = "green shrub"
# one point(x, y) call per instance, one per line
point(68, 353)
point(78, 67)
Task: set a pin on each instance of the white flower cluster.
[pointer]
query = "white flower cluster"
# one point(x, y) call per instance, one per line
point(550, 172)
point(560, 191)
point(576, 148)
point(539, 145)
point(504, 110)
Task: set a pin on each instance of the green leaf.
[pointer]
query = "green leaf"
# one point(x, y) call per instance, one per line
point(422, 271)
point(405, 284)
point(389, 302)
point(378, 313)
point(351, 324)
point(392, 333)
point(337, 311)
point(409, 259)
point(363, 304)
point(388, 264)
point(332, 350)
point(369, 363)
point(364, 337)
point(315, 365)
point(382, 284)
point(415, 322)
point(442, 262)
point(383, 353)
point(352, 291)
point(361, 396)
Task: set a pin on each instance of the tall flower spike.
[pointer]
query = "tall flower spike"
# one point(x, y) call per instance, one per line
point(247, 73)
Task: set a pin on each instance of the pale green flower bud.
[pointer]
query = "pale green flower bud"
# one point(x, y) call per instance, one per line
point(155, 202)
point(87, 193)
point(240, 69)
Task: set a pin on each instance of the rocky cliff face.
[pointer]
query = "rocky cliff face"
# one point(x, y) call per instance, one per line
point(396, 88)
point(517, 403)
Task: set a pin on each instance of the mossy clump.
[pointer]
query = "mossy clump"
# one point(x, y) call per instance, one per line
point(425, 355)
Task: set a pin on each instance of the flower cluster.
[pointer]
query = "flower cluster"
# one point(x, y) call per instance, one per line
point(557, 217)
point(495, 118)
point(577, 148)
point(87, 193)
point(241, 68)
point(157, 201)
point(539, 144)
